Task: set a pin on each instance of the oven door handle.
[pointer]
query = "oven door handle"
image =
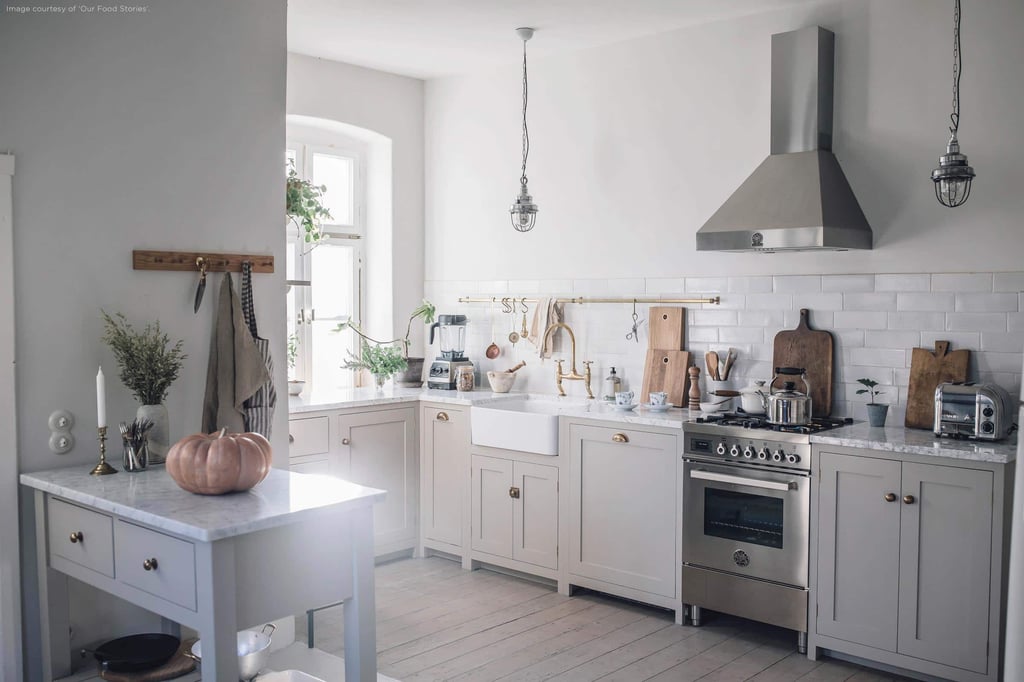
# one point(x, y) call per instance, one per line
point(705, 475)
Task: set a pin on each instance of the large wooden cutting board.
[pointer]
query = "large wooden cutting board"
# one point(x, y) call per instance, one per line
point(927, 371)
point(812, 350)
point(665, 370)
point(667, 328)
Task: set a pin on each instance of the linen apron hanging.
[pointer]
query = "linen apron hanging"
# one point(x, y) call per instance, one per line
point(259, 409)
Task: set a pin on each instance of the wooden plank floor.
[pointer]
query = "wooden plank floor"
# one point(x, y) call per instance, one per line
point(436, 621)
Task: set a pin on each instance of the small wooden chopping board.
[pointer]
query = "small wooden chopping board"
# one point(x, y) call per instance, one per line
point(927, 371)
point(667, 327)
point(811, 350)
point(665, 370)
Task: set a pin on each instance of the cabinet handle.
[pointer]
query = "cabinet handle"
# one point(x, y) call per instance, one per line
point(150, 564)
point(908, 499)
point(76, 537)
point(291, 438)
point(513, 492)
point(620, 438)
point(345, 441)
point(442, 416)
point(890, 497)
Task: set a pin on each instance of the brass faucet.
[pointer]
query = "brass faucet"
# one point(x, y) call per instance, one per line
point(573, 374)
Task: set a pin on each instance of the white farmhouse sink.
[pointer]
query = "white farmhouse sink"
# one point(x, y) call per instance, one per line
point(524, 425)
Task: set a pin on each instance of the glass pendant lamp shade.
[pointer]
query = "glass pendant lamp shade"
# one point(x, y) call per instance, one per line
point(523, 211)
point(953, 176)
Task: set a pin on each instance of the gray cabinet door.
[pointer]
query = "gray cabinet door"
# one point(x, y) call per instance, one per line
point(858, 549)
point(491, 505)
point(945, 565)
point(536, 515)
point(445, 471)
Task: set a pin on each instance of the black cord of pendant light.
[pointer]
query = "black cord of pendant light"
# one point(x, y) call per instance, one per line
point(957, 70)
point(954, 176)
point(526, 130)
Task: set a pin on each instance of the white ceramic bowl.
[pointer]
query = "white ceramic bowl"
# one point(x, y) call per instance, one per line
point(716, 405)
point(501, 382)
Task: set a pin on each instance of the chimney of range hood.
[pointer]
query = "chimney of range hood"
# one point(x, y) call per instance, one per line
point(798, 198)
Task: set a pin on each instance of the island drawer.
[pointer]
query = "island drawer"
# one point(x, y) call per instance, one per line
point(81, 536)
point(159, 564)
point(308, 436)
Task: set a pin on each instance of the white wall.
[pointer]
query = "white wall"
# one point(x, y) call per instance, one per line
point(160, 130)
point(392, 106)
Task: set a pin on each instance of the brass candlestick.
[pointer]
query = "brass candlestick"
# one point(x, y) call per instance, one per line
point(103, 468)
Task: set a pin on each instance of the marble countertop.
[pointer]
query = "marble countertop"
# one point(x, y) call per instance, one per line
point(153, 498)
point(919, 442)
point(341, 399)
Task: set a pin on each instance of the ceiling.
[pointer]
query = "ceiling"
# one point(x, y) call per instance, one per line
point(432, 38)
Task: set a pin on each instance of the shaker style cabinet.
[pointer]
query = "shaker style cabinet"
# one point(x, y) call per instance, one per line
point(444, 468)
point(908, 563)
point(514, 510)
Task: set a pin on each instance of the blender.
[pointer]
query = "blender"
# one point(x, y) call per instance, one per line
point(452, 334)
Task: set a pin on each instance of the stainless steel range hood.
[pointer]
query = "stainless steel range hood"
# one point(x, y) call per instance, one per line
point(798, 198)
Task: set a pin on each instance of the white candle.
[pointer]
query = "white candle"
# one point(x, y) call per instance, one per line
point(101, 400)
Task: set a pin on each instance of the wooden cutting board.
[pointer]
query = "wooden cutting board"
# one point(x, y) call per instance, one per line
point(927, 371)
point(665, 370)
point(812, 350)
point(667, 327)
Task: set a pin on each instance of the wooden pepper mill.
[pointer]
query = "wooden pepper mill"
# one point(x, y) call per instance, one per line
point(694, 388)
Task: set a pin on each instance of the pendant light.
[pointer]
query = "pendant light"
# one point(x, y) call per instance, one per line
point(953, 176)
point(524, 211)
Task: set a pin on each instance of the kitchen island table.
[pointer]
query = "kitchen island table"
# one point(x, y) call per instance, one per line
point(211, 563)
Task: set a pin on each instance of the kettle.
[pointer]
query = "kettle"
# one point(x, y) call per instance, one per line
point(788, 407)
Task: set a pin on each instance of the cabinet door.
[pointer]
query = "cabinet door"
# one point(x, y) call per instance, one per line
point(445, 471)
point(378, 449)
point(535, 520)
point(492, 505)
point(858, 549)
point(945, 565)
point(623, 525)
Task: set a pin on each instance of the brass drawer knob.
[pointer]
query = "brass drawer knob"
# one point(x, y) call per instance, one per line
point(150, 564)
point(908, 499)
point(513, 492)
point(890, 497)
point(620, 438)
point(345, 441)
point(442, 416)
point(76, 537)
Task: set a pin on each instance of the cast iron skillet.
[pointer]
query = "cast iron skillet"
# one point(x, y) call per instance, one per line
point(135, 653)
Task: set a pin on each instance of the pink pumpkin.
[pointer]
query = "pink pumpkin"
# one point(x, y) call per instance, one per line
point(215, 463)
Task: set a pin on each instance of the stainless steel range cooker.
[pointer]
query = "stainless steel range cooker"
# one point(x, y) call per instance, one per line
point(745, 518)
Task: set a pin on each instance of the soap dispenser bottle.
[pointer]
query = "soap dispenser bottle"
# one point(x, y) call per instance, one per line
point(612, 385)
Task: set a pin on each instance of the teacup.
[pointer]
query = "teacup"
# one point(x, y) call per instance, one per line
point(658, 397)
point(624, 398)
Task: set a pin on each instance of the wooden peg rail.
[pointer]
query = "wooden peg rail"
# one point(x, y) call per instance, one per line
point(185, 261)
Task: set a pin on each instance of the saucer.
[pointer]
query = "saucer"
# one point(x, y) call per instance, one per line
point(664, 407)
point(624, 408)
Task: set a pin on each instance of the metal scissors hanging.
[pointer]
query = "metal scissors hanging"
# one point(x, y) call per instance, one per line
point(634, 335)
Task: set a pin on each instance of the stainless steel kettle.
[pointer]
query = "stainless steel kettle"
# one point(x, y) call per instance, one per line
point(788, 406)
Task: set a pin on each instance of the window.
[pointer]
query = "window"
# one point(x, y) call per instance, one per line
point(326, 278)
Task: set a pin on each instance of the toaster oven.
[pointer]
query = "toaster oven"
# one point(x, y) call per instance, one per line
point(975, 411)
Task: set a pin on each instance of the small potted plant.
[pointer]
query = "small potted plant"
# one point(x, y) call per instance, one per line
point(412, 375)
point(304, 206)
point(379, 360)
point(295, 386)
point(876, 411)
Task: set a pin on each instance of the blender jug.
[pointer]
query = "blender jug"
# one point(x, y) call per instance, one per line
point(452, 334)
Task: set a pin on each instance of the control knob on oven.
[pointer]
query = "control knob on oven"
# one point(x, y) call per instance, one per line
point(734, 451)
point(762, 454)
point(720, 449)
point(793, 459)
point(778, 455)
point(748, 452)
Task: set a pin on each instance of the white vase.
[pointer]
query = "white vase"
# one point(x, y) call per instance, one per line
point(159, 435)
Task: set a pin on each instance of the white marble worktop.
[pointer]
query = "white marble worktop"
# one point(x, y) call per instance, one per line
point(152, 498)
point(344, 398)
point(919, 442)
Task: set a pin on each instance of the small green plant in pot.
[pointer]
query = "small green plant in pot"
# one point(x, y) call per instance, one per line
point(379, 360)
point(295, 386)
point(304, 206)
point(876, 411)
point(412, 375)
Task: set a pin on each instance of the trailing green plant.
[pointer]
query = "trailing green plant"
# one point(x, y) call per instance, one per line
point(377, 359)
point(293, 350)
point(870, 388)
point(425, 310)
point(148, 362)
point(304, 206)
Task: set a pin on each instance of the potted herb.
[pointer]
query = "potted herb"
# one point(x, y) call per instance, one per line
point(295, 386)
point(413, 372)
point(876, 411)
point(379, 360)
point(149, 364)
point(304, 206)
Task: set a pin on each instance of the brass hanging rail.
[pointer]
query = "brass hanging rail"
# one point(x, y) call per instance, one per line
point(714, 300)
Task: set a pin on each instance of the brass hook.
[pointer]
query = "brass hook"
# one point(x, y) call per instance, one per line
point(525, 308)
point(201, 265)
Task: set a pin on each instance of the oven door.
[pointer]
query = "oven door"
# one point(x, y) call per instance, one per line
point(746, 520)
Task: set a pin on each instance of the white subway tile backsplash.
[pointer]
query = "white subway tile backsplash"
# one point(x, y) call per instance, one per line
point(925, 301)
point(1015, 322)
point(848, 338)
point(750, 285)
point(1008, 281)
point(813, 302)
point(796, 284)
point(762, 352)
point(878, 357)
point(903, 283)
point(727, 302)
point(662, 285)
point(702, 334)
point(713, 317)
point(885, 301)
point(741, 334)
point(861, 319)
point(761, 318)
point(848, 283)
point(706, 285)
point(968, 340)
point(986, 303)
point(816, 319)
point(981, 322)
point(849, 373)
point(917, 321)
point(974, 281)
point(996, 362)
point(493, 287)
point(769, 301)
point(892, 339)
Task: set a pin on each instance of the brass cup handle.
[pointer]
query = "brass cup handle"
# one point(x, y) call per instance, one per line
point(76, 537)
point(620, 438)
point(513, 492)
point(345, 441)
point(908, 499)
point(150, 564)
point(890, 497)
point(442, 416)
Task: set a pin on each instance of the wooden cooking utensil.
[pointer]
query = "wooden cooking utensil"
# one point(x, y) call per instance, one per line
point(927, 371)
point(711, 361)
point(812, 350)
point(727, 367)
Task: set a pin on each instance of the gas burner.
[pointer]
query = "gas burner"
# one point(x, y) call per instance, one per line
point(748, 421)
